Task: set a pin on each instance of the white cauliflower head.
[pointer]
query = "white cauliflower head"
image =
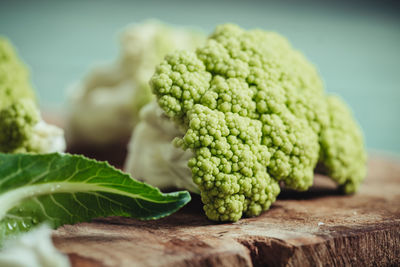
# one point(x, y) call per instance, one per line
point(111, 96)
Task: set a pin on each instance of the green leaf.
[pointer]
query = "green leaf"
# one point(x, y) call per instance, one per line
point(65, 189)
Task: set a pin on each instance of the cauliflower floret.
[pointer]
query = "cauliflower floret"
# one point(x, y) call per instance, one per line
point(21, 126)
point(111, 96)
point(151, 146)
point(33, 249)
point(254, 113)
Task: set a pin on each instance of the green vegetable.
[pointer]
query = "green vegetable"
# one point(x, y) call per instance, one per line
point(65, 189)
point(14, 76)
point(254, 113)
point(21, 126)
point(342, 148)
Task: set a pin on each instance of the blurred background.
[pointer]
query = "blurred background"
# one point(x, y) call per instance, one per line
point(356, 46)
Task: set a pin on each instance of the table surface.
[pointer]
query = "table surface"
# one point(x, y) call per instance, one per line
point(318, 227)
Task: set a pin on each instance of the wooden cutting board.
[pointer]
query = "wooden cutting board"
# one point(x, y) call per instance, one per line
point(315, 228)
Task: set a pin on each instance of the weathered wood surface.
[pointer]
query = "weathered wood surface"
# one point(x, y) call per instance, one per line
point(320, 227)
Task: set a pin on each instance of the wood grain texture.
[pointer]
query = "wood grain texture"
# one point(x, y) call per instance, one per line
point(314, 228)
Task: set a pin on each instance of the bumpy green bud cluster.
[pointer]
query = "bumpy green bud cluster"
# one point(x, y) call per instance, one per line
point(16, 123)
point(14, 76)
point(18, 111)
point(254, 113)
point(342, 147)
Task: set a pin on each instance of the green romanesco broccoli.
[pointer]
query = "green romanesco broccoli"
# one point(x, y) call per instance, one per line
point(342, 148)
point(14, 76)
point(254, 113)
point(16, 123)
point(21, 126)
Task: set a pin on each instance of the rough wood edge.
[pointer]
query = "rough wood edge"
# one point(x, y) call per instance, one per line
point(372, 247)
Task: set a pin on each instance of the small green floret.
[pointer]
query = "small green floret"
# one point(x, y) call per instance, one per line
point(254, 112)
point(21, 127)
point(18, 113)
point(14, 76)
point(16, 123)
point(342, 147)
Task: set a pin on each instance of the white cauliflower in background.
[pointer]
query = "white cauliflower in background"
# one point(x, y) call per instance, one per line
point(105, 105)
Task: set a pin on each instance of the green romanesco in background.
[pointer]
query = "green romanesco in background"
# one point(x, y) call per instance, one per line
point(253, 112)
point(14, 76)
point(21, 126)
point(16, 123)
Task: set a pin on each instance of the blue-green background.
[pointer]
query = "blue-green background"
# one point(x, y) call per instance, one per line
point(356, 45)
